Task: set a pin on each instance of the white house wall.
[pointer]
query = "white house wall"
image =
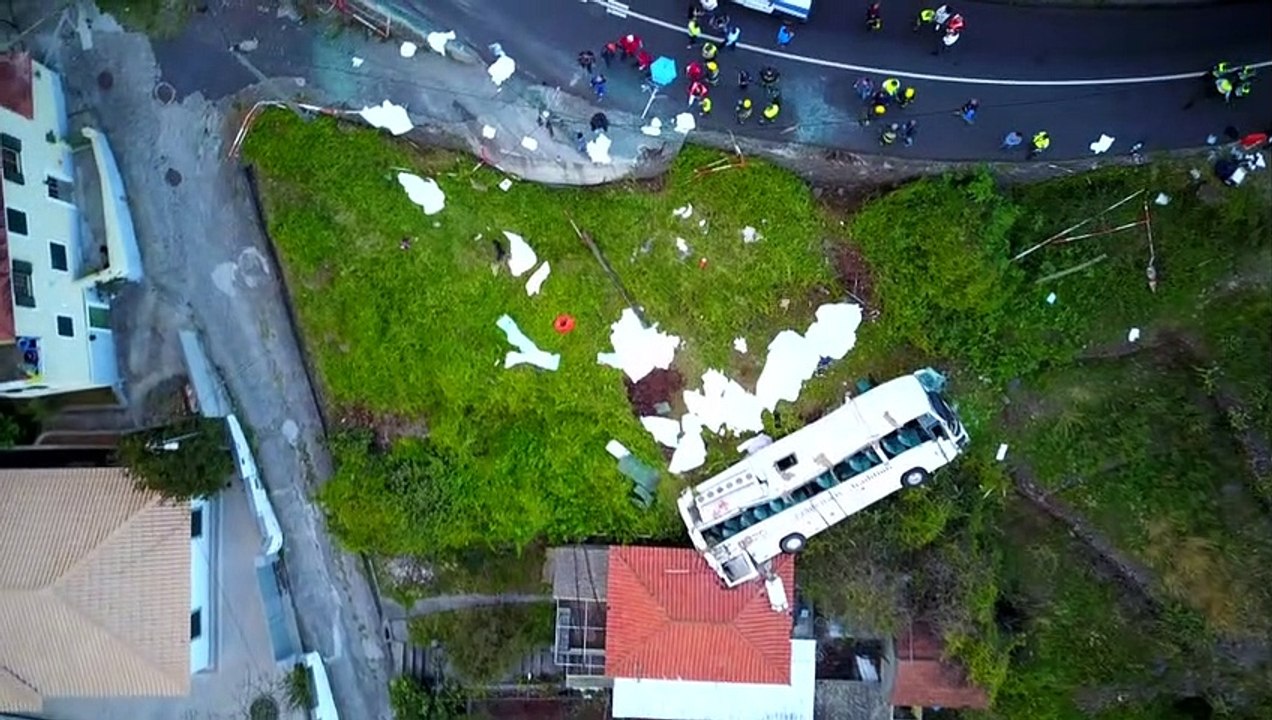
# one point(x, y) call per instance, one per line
point(202, 563)
point(256, 494)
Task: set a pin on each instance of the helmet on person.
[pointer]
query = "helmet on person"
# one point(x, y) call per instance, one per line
point(745, 103)
point(955, 24)
point(1223, 85)
point(1220, 68)
point(879, 109)
point(908, 94)
point(772, 110)
point(891, 86)
point(713, 67)
point(1041, 140)
point(709, 50)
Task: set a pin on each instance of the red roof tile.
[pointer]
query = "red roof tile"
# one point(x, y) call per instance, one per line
point(670, 617)
point(15, 84)
point(924, 680)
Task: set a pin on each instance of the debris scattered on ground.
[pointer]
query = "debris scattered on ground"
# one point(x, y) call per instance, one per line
point(1051, 299)
point(794, 358)
point(501, 69)
point(527, 352)
point(691, 451)
point(683, 248)
point(521, 256)
point(750, 235)
point(739, 344)
point(784, 303)
point(437, 41)
point(666, 431)
point(685, 123)
point(683, 212)
point(357, 62)
point(722, 404)
point(1211, 139)
point(505, 184)
point(423, 192)
point(388, 116)
point(1133, 335)
point(488, 132)
point(653, 129)
point(617, 449)
point(638, 349)
point(247, 45)
point(1002, 452)
point(408, 49)
point(598, 149)
point(1162, 199)
point(752, 445)
point(529, 143)
point(1101, 146)
point(535, 283)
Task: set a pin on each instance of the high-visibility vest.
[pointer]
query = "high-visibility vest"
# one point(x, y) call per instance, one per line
point(927, 15)
point(709, 50)
point(891, 86)
point(1041, 141)
point(771, 111)
point(706, 105)
point(694, 29)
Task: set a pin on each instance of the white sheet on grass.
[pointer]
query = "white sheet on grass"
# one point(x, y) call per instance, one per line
point(722, 404)
point(598, 149)
point(665, 430)
point(638, 350)
point(793, 358)
point(423, 192)
point(521, 256)
point(501, 69)
point(388, 116)
point(437, 41)
point(535, 283)
point(691, 451)
point(526, 352)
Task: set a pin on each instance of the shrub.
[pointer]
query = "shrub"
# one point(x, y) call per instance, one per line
point(184, 461)
point(482, 643)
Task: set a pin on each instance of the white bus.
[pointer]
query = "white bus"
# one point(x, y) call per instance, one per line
point(889, 437)
point(798, 9)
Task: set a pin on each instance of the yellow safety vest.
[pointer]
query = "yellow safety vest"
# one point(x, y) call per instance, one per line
point(694, 30)
point(706, 105)
point(771, 111)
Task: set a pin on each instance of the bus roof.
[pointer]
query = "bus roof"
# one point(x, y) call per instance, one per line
point(798, 458)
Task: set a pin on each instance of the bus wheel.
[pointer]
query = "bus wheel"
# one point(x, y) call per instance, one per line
point(793, 543)
point(914, 478)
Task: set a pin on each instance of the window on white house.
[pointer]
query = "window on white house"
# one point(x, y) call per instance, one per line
point(57, 256)
point(65, 326)
point(11, 158)
point(59, 189)
point(196, 523)
point(196, 624)
point(23, 288)
point(15, 220)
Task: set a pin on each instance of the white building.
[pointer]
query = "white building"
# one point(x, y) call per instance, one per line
point(67, 240)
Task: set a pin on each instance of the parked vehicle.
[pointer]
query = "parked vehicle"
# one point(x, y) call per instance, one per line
point(887, 438)
point(795, 8)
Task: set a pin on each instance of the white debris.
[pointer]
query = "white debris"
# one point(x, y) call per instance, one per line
point(408, 49)
point(488, 132)
point(501, 69)
point(682, 247)
point(665, 430)
point(617, 449)
point(752, 445)
point(739, 344)
point(722, 404)
point(529, 143)
point(702, 222)
point(505, 184)
point(521, 256)
point(1101, 146)
point(1051, 299)
point(691, 451)
point(750, 235)
point(598, 149)
point(248, 45)
point(437, 41)
point(794, 358)
point(388, 116)
point(527, 351)
point(1002, 453)
point(536, 279)
point(653, 129)
point(834, 332)
point(1133, 335)
point(638, 349)
point(357, 61)
point(423, 192)
point(684, 212)
point(1211, 139)
point(685, 123)
point(1162, 199)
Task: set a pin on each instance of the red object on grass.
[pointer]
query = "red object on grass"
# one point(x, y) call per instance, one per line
point(1254, 140)
point(563, 323)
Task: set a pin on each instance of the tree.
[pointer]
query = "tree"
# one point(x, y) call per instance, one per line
point(183, 461)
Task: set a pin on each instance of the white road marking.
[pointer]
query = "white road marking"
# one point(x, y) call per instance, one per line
point(871, 70)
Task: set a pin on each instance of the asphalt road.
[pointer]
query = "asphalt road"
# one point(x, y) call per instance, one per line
point(1068, 71)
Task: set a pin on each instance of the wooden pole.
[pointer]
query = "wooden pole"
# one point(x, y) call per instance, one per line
point(609, 271)
point(1070, 271)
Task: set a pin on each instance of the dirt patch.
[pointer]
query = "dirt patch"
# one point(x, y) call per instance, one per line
point(659, 386)
point(854, 274)
point(387, 428)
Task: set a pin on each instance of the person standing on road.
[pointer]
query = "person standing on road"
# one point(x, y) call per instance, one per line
point(743, 110)
point(864, 88)
point(599, 123)
point(771, 111)
point(709, 50)
point(609, 52)
point(713, 72)
point(643, 61)
point(744, 80)
point(874, 17)
point(968, 111)
point(908, 131)
point(892, 86)
point(1041, 141)
point(889, 134)
point(694, 71)
point(906, 96)
point(704, 106)
point(768, 78)
point(598, 86)
point(926, 16)
point(587, 61)
point(630, 45)
point(695, 32)
point(731, 38)
point(1012, 140)
point(785, 35)
point(697, 91)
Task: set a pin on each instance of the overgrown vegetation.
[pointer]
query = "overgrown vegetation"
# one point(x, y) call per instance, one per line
point(1151, 452)
point(412, 700)
point(483, 643)
point(158, 18)
point(182, 461)
point(298, 688)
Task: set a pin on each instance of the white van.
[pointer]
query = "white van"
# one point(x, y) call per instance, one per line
point(889, 437)
point(795, 8)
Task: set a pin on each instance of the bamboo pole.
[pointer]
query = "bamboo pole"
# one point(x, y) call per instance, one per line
point(1070, 271)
